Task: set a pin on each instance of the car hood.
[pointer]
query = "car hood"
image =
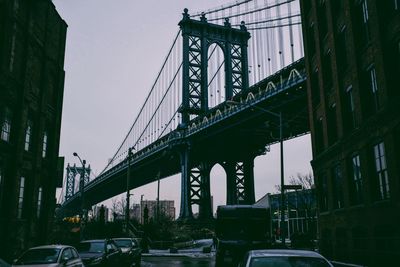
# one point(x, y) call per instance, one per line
point(38, 265)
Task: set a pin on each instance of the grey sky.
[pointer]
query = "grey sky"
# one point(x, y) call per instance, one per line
point(114, 51)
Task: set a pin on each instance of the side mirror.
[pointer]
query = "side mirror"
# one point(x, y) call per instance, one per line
point(64, 260)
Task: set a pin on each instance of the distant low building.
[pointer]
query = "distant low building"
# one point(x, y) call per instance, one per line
point(166, 207)
point(300, 212)
point(134, 212)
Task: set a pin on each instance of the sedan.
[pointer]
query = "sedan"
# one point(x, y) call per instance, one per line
point(131, 250)
point(101, 252)
point(284, 258)
point(50, 256)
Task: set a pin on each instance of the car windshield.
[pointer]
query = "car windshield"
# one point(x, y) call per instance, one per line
point(39, 256)
point(288, 262)
point(91, 247)
point(123, 243)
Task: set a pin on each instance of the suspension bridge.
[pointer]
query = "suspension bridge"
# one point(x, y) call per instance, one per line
point(228, 71)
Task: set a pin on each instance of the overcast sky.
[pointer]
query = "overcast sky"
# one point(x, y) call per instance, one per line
point(113, 53)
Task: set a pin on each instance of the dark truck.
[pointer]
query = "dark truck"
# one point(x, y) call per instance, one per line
point(240, 228)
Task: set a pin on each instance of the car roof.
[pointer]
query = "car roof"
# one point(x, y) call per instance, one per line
point(284, 252)
point(122, 238)
point(93, 240)
point(51, 246)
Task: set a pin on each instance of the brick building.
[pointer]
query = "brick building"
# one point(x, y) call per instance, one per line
point(352, 50)
point(32, 46)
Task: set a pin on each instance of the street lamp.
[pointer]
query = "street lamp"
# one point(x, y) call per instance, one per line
point(278, 115)
point(128, 177)
point(81, 189)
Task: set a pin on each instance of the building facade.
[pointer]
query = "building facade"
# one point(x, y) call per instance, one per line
point(32, 46)
point(352, 50)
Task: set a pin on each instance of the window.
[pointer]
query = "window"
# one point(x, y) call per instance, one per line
point(332, 124)
point(361, 23)
point(67, 254)
point(327, 71)
point(381, 171)
point(337, 7)
point(349, 116)
point(341, 53)
point(44, 148)
point(323, 192)
point(39, 202)
point(21, 197)
point(316, 96)
point(28, 135)
point(396, 4)
point(370, 92)
point(322, 22)
point(319, 136)
point(356, 195)
point(12, 52)
point(374, 87)
point(6, 125)
point(365, 17)
point(311, 40)
point(337, 187)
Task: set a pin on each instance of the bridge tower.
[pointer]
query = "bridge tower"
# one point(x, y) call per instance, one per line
point(198, 36)
point(72, 172)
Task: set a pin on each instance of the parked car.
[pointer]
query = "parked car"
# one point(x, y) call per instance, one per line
point(50, 256)
point(284, 258)
point(101, 252)
point(3, 263)
point(131, 251)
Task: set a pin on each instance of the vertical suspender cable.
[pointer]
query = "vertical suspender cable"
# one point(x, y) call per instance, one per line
point(291, 32)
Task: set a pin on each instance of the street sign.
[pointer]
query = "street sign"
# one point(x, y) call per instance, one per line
point(293, 187)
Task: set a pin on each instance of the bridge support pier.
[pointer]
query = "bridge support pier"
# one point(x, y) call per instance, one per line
point(195, 187)
point(240, 182)
point(186, 209)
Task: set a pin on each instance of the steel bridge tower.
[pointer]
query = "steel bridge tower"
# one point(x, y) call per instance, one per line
point(198, 36)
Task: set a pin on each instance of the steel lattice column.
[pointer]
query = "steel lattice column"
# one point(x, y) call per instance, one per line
point(186, 208)
point(195, 187)
point(240, 182)
point(200, 189)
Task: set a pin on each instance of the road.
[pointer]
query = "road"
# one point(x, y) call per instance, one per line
point(177, 261)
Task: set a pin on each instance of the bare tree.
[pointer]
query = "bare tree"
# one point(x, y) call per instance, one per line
point(305, 180)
